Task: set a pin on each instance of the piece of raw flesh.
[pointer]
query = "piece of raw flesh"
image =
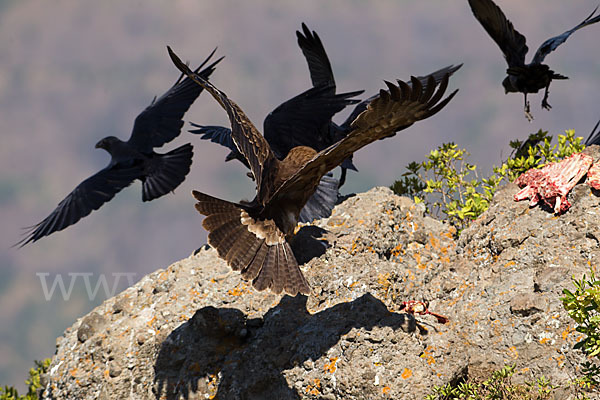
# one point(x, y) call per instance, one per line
point(593, 176)
point(552, 183)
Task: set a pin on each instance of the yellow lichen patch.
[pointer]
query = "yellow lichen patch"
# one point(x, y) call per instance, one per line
point(213, 385)
point(360, 221)
point(544, 340)
point(385, 389)
point(331, 365)
point(149, 323)
point(314, 389)
point(428, 355)
point(396, 251)
point(407, 373)
point(433, 241)
point(512, 352)
point(238, 290)
point(383, 280)
point(567, 332)
point(509, 264)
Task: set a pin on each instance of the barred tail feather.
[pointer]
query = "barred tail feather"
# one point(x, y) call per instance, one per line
point(248, 246)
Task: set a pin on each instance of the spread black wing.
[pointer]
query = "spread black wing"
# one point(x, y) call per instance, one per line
point(319, 66)
point(304, 120)
point(222, 136)
point(216, 134)
point(394, 109)
point(88, 196)
point(161, 121)
point(248, 140)
point(552, 43)
point(501, 30)
point(594, 137)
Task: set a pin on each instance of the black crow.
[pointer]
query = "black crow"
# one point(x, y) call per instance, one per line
point(252, 236)
point(134, 159)
point(522, 78)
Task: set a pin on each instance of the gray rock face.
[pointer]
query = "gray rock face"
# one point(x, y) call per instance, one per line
point(197, 331)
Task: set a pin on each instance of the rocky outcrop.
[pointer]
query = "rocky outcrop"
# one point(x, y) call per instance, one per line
point(196, 331)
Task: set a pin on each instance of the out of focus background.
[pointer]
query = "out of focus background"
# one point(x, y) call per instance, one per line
point(72, 72)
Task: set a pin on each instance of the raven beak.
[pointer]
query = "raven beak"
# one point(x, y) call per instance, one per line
point(98, 145)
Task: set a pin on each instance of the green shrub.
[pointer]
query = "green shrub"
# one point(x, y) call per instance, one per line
point(450, 187)
point(497, 387)
point(33, 383)
point(583, 305)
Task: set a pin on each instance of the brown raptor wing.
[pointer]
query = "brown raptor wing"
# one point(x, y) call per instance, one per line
point(246, 137)
point(394, 109)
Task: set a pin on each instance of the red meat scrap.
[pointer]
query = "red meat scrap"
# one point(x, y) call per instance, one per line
point(552, 183)
point(593, 176)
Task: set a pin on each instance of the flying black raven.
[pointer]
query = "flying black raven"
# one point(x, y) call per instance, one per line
point(523, 78)
point(252, 236)
point(134, 159)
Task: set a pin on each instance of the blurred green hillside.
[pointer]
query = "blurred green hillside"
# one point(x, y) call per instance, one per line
point(72, 72)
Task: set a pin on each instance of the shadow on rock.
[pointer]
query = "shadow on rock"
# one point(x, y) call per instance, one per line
point(308, 243)
point(219, 352)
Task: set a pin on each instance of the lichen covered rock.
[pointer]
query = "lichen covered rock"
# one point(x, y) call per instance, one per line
point(195, 330)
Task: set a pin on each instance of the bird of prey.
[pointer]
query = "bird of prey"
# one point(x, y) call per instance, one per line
point(523, 78)
point(160, 174)
point(252, 236)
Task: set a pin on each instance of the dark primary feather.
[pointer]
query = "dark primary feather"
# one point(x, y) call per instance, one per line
point(319, 66)
point(362, 106)
point(552, 43)
point(161, 121)
point(501, 30)
point(88, 196)
point(216, 134)
point(594, 137)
